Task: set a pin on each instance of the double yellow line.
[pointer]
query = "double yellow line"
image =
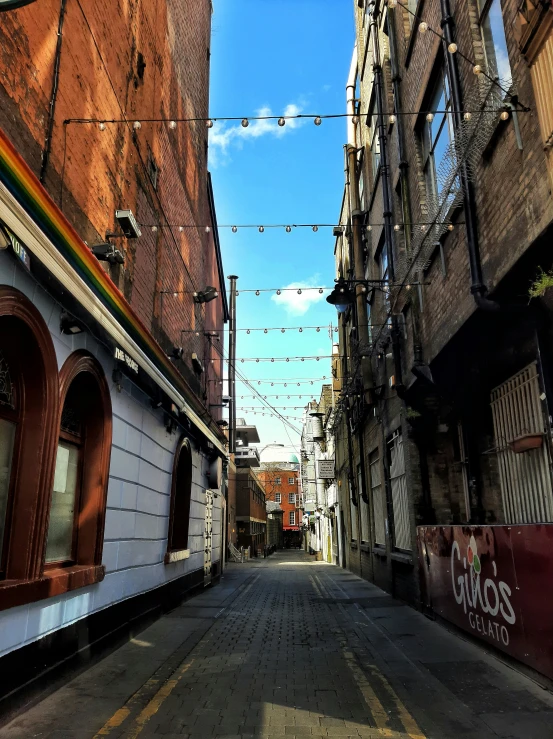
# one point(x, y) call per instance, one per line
point(378, 712)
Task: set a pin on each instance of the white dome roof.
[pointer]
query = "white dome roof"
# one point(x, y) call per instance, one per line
point(278, 453)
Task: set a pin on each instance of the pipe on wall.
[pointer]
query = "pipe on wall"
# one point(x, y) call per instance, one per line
point(53, 96)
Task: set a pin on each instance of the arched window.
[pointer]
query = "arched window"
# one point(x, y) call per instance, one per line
point(28, 415)
point(78, 503)
point(181, 492)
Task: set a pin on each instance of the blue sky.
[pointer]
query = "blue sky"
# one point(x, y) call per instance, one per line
point(279, 56)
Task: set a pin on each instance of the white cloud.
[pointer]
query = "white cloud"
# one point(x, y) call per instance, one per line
point(223, 136)
point(297, 304)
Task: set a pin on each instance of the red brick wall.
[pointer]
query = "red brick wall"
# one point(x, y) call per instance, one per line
point(268, 479)
point(99, 78)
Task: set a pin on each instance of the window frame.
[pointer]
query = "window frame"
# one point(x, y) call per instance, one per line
point(373, 139)
point(176, 551)
point(292, 518)
point(291, 499)
point(278, 481)
point(278, 498)
point(291, 481)
point(484, 7)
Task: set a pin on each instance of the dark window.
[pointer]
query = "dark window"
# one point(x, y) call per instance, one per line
point(436, 137)
point(9, 420)
point(180, 498)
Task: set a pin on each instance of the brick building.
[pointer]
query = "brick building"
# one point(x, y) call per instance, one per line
point(111, 454)
point(446, 364)
point(251, 513)
point(281, 481)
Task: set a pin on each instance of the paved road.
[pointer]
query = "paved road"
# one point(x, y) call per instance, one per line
point(286, 647)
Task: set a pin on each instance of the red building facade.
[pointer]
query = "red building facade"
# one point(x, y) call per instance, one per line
point(281, 483)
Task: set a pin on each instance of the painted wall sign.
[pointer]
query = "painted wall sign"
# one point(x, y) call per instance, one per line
point(494, 582)
point(122, 356)
point(325, 469)
point(20, 251)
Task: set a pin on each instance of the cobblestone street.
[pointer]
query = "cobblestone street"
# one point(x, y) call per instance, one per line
point(286, 647)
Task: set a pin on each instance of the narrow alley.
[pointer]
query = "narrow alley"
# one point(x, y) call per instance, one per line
point(289, 647)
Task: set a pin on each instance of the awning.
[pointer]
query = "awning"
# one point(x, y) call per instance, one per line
point(35, 219)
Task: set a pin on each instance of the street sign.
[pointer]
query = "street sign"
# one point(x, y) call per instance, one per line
point(325, 469)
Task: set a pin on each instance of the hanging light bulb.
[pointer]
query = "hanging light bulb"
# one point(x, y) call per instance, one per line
point(172, 125)
point(430, 117)
point(407, 287)
point(320, 291)
point(392, 118)
point(450, 227)
point(369, 227)
point(452, 48)
point(207, 230)
point(278, 292)
point(299, 292)
point(102, 126)
point(423, 27)
point(281, 122)
point(423, 228)
point(354, 120)
point(282, 330)
point(264, 330)
point(181, 229)
point(245, 123)
point(257, 292)
point(261, 229)
point(467, 116)
point(315, 229)
point(301, 330)
point(209, 123)
point(288, 229)
point(237, 294)
point(477, 69)
point(317, 121)
point(137, 125)
point(504, 115)
point(397, 227)
point(234, 229)
point(154, 229)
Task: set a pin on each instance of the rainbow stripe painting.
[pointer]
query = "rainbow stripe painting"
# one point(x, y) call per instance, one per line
point(25, 187)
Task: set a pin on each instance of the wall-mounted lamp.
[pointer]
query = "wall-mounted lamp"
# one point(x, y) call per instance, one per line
point(206, 296)
point(128, 224)
point(70, 325)
point(341, 297)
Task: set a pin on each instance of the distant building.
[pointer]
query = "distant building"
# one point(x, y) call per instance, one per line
point(251, 514)
point(280, 476)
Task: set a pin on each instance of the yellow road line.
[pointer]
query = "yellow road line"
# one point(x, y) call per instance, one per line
point(122, 714)
point(154, 705)
point(380, 716)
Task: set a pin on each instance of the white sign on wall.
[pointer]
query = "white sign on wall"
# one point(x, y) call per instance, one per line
point(325, 469)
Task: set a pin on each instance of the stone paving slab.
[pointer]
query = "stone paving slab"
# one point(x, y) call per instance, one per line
point(286, 648)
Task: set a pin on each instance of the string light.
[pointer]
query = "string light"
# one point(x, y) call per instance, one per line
point(452, 48)
point(392, 119)
point(477, 69)
point(209, 123)
point(261, 229)
point(467, 116)
point(288, 229)
point(245, 123)
point(315, 229)
point(504, 115)
point(318, 120)
point(234, 229)
point(102, 126)
point(282, 122)
point(430, 117)
point(137, 125)
point(172, 125)
point(423, 27)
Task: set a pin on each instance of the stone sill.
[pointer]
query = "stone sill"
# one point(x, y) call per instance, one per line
point(53, 582)
point(403, 557)
point(176, 556)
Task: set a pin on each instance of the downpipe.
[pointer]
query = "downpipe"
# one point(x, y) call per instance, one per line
point(478, 288)
point(53, 97)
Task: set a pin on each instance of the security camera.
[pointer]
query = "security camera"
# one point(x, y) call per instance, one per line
point(106, 252)
point(128, 224)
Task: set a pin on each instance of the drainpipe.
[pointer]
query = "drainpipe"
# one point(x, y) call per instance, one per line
point(53, 97)
point(386, 186)
point(356, 215)
point(478, 287)
point(403, 167)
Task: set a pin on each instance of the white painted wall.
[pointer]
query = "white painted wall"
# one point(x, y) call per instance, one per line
point(137, 517)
